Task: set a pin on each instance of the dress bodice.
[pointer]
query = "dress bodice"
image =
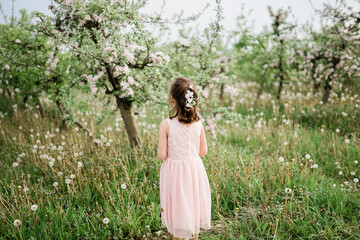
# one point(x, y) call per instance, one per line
point(183, 141)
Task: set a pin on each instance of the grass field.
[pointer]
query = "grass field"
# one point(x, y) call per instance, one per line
point(278, 172)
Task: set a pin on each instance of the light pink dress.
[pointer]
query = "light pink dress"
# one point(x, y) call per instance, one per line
point(185, 196)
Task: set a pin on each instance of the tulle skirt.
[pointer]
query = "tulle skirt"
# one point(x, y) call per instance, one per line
point(185, 197)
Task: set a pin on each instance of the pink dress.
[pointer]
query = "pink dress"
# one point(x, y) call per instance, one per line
point(185, 196)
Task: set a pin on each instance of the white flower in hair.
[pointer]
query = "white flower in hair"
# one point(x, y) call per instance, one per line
point(191, 86)
point(190, 101)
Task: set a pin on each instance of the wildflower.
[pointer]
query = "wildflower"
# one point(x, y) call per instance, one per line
point(340, 173)
point(106, 220)
point(356, 162)
point(347, 140)
point(356, 180)
point(60, 174)
point(281, 159)
point(307, 156)
point(17, 222)
point(352, 173)
point(288, 190)
point(72, 176)
point(34, 207)
point(337, 130)
point(334, 185)
point(55, 184)
point(15, 164)
point(314, 166)
point(67, 181)
point(123, 186)
point(79, 164)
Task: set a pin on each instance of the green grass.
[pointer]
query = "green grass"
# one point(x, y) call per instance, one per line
point(247, 179)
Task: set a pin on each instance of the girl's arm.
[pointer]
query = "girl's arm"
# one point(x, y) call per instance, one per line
point(203, 144)
point(163, 134)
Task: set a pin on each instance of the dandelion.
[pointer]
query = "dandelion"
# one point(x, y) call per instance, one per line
point(334, 185)
point(17, 222)
point(340, 173)
point(281, 159)
point(76, 154)
point(72, 176)
point(60, 174)
point(352, 173)
point(123, 186)
point(307, 156)
point(68, 181)
point(15, 164)
point(76, 129)
point(322, 130)
point(347, 140)
point(26, 189)
point(55, 184)
point(285, 143)
point(288, 190)
point(79, 164)
point(106, 220)
point(34, 207)
point(314, 166)
point(337, 130)
point(356, 180)
point(51, 164)
point(356, 162)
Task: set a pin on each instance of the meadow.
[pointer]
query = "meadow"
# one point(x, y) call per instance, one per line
point(279, 171)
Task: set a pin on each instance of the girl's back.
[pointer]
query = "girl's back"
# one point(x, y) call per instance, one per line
point(183, 141)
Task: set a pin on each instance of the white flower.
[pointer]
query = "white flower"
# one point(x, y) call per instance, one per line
point(17, 41)
point(356, 162)
point(288, 190)
point(307, 156)
point(106, 220)
point(340, 173)
point(51, 164)
point(356, 180)
point(34, 207)
point(123, 186)
point(281, 159)
point(55, 184)
point(213, 49)
point(79, 164)
point(314, 166)
point(347, 140)
point(72, 176)
point(60, 174)
point(17, 222)
point(337, 130)
point(67, 181)
point(15, 164)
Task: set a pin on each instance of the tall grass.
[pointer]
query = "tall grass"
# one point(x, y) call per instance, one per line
point(249, 165)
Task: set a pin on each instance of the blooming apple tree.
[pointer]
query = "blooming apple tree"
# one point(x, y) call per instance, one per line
point(111, 37)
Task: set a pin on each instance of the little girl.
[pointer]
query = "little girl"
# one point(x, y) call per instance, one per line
point(185, 196)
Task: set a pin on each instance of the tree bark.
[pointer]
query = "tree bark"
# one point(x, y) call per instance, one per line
point(326, 95)
point(41, 108)
point(128, 117)
point(261, 85)
point(222, 86)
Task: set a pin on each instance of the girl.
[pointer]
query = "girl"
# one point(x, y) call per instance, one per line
point(185, 196)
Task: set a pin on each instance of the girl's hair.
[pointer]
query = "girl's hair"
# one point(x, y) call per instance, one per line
point(178, 89)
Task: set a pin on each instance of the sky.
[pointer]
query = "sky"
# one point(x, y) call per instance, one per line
point(302, 10)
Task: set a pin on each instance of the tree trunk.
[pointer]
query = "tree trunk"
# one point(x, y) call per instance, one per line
point(280, 86)
point(222, 86)
point(9, 93)
point(41, 108)
point(128, 117)
point(327, 89)
point(261, 85)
